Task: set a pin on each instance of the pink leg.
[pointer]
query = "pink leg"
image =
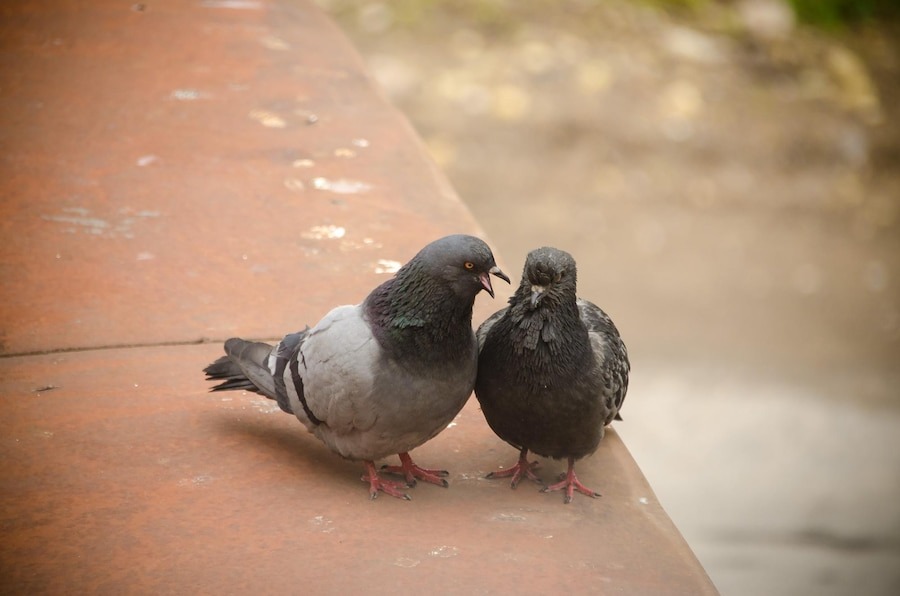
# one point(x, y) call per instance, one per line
point(376, 483)
point(409, 470)
point(522, 468)
point(570, 482)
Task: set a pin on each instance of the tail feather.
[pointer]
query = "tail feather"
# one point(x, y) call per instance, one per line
point(227, 371)
point(244, 367)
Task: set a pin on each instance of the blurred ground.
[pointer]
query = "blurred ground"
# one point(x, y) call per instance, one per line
point(730, 186)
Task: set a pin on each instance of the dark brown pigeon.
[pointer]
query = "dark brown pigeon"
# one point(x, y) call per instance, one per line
point(552, 370)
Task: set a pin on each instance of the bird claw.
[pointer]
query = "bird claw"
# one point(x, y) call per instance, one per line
point(387, 487)
point(570, 482)
point(522, 468)
point(409, 470)
point(376, 483)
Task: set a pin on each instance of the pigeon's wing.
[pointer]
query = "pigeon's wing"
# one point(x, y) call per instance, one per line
point(485, 328)
point(333, 372)
point(282, 365)
point(609, 352)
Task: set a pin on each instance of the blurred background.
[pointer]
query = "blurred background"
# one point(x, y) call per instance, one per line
point(727, 175)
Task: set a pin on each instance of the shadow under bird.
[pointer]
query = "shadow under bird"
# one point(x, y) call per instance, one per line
point(552, 370)
point(383, 376)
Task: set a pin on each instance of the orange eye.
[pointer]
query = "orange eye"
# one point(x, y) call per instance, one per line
point(469, 265)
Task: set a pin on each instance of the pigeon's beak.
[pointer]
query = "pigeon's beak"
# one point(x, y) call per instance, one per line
point(496, 271)
point(486, 279)
point(537, 292)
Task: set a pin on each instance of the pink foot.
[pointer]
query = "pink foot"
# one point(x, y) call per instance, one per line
point(377, 483)
point(522, 468)
point(409, 470)
point(570, 482)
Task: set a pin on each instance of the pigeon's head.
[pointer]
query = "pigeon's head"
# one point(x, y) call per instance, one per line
point(464, 262)
point(550, 276)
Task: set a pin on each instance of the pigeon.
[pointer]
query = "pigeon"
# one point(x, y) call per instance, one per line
point(552, 370)
point(383, 376)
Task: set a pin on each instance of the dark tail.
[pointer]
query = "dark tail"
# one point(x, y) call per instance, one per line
point(245, 363)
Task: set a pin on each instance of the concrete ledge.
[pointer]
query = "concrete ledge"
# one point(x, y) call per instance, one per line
point(170, 174)
point(174, 173)
point(140, 480)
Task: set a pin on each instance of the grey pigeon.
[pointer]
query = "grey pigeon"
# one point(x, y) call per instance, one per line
point(386, 375)
point(552, 370)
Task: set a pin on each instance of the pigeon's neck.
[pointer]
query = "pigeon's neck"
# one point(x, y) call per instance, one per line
point(420, 319)
point(550, 339)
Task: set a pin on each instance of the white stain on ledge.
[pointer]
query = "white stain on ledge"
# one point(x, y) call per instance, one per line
point(78, 219)
point(274, 43)
point(294, 184)
point(508, 517)
point(186, 95)
point(196, 480)
point(233, 4)
point(322, 524)
point(324, 232)
point(81, 220)
point(266, 406)
point(341, 186)
point(268, 119)
point(387, 266)
point(444, 552)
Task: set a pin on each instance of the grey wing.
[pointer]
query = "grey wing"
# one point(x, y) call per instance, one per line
point(610, 354)
point(334, 368)
point(485, 327)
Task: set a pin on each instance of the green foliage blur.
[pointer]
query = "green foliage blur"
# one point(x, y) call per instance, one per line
point(834, 14)
point(495, 14)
